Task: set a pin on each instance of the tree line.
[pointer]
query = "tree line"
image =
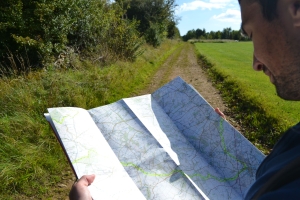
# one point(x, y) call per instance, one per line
point(227, 33)
point(38, 33)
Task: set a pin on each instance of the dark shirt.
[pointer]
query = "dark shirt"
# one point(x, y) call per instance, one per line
point(278, 176)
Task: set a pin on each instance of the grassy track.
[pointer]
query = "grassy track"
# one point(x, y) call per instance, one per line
point(32, 162)
point(259, 105)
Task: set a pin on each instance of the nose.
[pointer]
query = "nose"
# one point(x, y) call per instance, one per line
point(257, 65)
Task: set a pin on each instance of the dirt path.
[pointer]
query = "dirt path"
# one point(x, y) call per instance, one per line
point(183, 63)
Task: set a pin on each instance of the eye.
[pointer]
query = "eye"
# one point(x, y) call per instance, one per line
point(296, 7)
point(243, 32)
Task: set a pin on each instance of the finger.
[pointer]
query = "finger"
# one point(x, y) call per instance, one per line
point(217, 110)
point(90, 178)
point(86, 180)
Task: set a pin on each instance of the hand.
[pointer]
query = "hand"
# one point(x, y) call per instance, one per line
point(80, 189)
point(220, 113)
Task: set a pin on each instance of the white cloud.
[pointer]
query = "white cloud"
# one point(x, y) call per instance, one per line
point(220, 1)
point(202, 4)
point(229, 16)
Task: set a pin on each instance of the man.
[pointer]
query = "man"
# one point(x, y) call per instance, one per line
point(274, 27)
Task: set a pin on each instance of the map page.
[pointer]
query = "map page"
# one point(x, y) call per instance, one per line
point(167, 145)
point(89, 153)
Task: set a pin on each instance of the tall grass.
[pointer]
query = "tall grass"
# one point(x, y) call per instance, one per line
point(32, 161)
point(249, 94)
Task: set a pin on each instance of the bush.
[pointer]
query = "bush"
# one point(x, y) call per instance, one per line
point(155, 34)
point(154, 16)
point(40, 31)
point(113, 37)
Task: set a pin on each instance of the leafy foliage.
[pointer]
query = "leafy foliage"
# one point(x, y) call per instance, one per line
point(156, 18)
point(226, 33)
point(42, 30)
point(173, 31)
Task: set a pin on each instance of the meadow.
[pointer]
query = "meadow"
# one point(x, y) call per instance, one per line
point(250, 94)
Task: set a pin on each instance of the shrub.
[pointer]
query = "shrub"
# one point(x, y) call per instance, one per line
point(42, 30)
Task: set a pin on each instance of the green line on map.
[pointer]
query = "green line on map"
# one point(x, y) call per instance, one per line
point(208, 176)
point(61, 120)
point(221, 131)
point(84, 157)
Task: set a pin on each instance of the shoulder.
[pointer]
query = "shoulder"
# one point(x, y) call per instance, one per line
point(279, 173)
point(289, 191)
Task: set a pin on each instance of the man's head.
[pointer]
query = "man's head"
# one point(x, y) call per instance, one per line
point(268, 8)
point(274, 26)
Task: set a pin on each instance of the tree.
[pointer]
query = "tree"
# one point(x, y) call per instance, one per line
point(173, 31)
point(227, 33)
point(191, 34)
point(38, 31)
point(155, 17)
point(236, 35)
point(198, 33)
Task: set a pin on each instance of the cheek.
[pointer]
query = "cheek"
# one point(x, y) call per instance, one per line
point(260, 51)
point(264, 49)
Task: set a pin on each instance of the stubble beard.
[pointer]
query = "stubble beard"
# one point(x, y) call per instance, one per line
point(288, 87)
point(288, 82)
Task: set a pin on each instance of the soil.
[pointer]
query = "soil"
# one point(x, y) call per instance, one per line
point(186, 66)
point(183, 63)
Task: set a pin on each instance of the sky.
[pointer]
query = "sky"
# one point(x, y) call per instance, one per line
point(213, 15)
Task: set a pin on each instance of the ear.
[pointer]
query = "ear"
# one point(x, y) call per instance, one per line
point(294, 10)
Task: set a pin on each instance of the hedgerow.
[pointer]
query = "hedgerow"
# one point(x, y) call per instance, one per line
point(36, 33)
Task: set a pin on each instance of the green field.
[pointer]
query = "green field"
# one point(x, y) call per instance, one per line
point(232, 66)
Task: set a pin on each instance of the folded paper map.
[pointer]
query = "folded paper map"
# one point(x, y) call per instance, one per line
point(167, 145)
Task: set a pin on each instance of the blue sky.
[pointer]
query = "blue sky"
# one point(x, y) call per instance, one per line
point(213, 15)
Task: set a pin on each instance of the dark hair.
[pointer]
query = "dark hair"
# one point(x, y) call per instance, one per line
point(269, 8)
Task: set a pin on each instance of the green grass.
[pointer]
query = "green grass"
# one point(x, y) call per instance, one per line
point(32, 162)
point(249, 93)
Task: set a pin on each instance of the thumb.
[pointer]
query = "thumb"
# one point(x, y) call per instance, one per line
point(86, 180)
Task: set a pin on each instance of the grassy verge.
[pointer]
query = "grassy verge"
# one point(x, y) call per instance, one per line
point(32, 162)
point(250, 95)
